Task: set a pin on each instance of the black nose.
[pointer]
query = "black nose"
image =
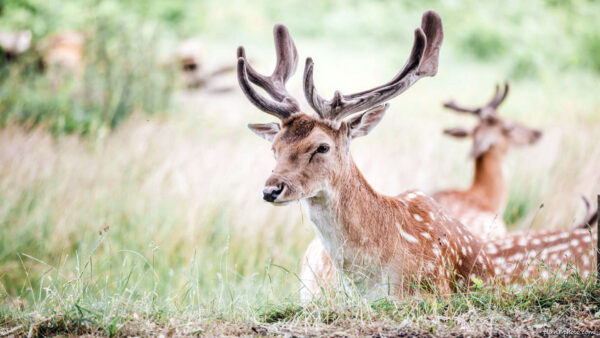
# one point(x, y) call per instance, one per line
point(270, 194)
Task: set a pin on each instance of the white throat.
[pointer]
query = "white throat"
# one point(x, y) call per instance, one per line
point(352, 260)
point(320, 211)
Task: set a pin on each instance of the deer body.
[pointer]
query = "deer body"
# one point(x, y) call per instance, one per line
point(408, 240)
point(538, 255)
point(374, 241)
point(481, 206)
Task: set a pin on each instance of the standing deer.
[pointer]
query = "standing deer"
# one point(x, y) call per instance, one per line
point(381, 243)
point(481, 206)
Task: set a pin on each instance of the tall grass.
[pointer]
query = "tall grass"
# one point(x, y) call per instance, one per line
point(122, 73)
point(163, 216)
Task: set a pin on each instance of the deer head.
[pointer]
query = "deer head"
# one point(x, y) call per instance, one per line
point(311, 149)
point(492, 131)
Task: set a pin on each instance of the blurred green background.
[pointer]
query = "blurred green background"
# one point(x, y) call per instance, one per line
point(119, 185)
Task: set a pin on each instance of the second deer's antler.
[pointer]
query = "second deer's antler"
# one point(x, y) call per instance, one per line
point(484, 111)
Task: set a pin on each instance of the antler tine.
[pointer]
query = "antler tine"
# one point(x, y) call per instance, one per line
point(283, 104)
point(590, 214)
point(499, 97)
point(423, 61)
point(453, 106)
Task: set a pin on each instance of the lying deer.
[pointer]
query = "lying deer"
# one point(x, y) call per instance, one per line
point(381, 243)
point(527, 256)
point(63, 52)
point(14, 43)
point(190, 59)
point(481, 206)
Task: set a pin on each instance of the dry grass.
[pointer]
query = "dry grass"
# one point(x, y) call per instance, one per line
point(190, 245)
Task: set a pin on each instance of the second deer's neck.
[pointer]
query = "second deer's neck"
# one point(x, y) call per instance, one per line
point(352, 220)
point(489, 182)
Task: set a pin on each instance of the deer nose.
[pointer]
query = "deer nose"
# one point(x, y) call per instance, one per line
point(270, 193)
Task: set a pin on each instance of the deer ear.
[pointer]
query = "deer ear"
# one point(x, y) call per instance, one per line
point(363, 123)
point(457, 132)
point(265, 130)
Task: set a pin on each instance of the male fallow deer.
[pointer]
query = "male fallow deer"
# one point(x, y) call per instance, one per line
point(481, 206)
point(381, 243)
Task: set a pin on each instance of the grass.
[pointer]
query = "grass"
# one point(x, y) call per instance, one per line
point(85, 302)
point(138, 211)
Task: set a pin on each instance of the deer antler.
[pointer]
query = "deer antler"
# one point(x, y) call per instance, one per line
point(453, 106)
point(283, 104)
point(423, 61)
point(590, 215)
point(498, 96)
point(489, 108)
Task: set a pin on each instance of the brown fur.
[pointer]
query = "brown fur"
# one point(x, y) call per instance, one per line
point(526, 256)
point(297, 127)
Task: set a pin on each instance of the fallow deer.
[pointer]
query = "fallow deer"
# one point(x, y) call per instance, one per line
point(14, 43)
point(190, 60)
point(381, 243)
point(526, 256)
point(63, 52)
point(481, 206)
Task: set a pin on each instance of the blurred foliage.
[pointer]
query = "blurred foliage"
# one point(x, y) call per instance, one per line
point(125, 40)
point(121, 71)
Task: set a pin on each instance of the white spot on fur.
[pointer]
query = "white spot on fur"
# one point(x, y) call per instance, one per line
point(585, 259)
point(491, 249)
point(411, 196)
point(517, 256)
point(536, 241)
point(405, 235)
point(426, 235)
point(559, 247)
point(499, 260)
point(418, 217)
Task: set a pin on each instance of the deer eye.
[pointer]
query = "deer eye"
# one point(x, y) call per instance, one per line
point(323, 148)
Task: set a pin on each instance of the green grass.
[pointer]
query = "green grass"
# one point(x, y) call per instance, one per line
point(84, 301)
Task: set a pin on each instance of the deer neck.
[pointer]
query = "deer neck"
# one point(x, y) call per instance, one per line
point(489, 183)
point(353, 222)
